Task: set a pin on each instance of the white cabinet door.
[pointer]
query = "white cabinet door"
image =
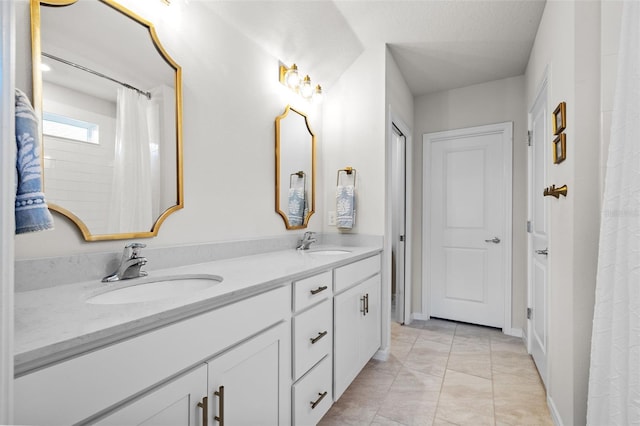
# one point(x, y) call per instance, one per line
point(174, 404)
point(370, 335)
point(356, 331)
point(249, 384)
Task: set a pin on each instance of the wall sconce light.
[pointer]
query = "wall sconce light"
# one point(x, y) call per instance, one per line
point(290, 78)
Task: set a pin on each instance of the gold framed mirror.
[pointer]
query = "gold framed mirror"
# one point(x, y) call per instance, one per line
point(295, 168)
point(110, 101)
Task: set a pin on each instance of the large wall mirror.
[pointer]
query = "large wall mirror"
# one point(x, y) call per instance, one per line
point(295, 168)
point(111, 105)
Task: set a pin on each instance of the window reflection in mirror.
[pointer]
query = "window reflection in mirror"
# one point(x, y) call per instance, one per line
point(295, 168)
point(106, 78)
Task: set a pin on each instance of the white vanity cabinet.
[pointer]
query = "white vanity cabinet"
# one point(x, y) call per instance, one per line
point(312, 324)
point(252, 373)
point(164, 374)
point(356, 320)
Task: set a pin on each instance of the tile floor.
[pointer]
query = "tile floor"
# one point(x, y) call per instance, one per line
point(446, 373)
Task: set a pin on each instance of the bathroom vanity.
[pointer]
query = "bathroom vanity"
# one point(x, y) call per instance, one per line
point(274, 343)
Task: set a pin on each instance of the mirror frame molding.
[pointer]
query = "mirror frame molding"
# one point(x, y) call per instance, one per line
point(305, 222)
point(36, 54)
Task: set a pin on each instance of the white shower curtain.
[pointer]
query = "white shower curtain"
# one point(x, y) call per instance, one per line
point(614, 381)
point(131, 201)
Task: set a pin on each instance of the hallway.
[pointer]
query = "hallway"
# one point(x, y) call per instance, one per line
point(446, 373)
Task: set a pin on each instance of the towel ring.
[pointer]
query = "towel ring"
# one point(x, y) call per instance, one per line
point(300, 175)
point(348, 171)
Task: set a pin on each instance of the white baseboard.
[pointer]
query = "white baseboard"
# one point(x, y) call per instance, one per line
point(555, 416)
point(515, 332)
point(419, 316)
point(382, 354)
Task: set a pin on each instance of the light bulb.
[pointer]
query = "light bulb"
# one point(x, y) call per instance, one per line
point(317, 95)
point(306, 90)
point(292, 78)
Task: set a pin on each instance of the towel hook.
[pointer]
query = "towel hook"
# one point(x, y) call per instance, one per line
point(348, 171)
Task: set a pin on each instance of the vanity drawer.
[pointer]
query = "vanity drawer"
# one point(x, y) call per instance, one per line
point(310, 389)
point(310, 290)
point(312, 337)
point(348, 275)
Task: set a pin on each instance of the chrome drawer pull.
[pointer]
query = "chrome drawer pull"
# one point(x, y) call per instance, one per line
point(317, 401)
point(319, 289)
point(320, 336)
point(363, 309)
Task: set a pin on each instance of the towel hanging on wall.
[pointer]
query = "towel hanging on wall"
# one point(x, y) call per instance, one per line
point(345, 200)
point(297, 198)
point(32, 213)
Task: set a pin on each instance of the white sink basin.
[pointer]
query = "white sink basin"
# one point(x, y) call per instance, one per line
point(328, 252)
point(149, 289)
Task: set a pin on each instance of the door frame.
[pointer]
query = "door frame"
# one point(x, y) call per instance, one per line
point(7, 198)
point(394, 120)
point(506, 129)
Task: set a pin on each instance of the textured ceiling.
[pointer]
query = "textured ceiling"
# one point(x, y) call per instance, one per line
point(437, 44)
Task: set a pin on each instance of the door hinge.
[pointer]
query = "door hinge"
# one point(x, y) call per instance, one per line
point(529, 226)
point(528, 137)
point(529, 313)
point(401, 237)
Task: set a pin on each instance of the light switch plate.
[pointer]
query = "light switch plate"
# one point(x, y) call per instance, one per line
point(331, 218)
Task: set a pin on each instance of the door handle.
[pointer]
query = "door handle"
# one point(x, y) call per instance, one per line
point(220, 394)
point(205, 409)
point(544, 252)
point(494, 240)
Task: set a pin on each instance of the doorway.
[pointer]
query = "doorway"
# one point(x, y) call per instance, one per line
point(538, 235)
point(467, 216)
point(398, 227)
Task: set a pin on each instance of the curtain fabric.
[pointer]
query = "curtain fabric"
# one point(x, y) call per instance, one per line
point(614, 381)
point(131, 201)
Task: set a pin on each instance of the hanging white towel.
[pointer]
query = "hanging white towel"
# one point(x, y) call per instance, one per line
point(614, 380)
point(345, 206)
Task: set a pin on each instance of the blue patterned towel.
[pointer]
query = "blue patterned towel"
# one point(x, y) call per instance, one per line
point(297, 206)
point(32, 213)
point(345, 206)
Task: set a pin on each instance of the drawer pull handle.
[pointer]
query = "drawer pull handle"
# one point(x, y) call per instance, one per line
point(317, 401)
point(319, 289)
point(205, 409)
point(220, 393)
point(363, 310)
point(320, 336)
point(366, 304)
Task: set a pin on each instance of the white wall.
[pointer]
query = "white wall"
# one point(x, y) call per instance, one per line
point(568, 43)
point(231, 96)
point(353, 135)
point(480, 104)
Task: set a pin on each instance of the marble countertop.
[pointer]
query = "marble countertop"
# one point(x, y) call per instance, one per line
point(56, 323)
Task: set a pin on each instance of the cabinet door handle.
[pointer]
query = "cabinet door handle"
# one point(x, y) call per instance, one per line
point(317, 401)
point(320, 336)
point(205, 410)
point(319, 289)
point(220, 394)
point(363, 309)
point(366, 303)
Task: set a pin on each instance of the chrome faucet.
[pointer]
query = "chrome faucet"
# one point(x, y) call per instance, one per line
point(306, 241)
point(130, 264)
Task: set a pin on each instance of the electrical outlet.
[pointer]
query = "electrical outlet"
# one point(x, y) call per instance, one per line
point(331, 218)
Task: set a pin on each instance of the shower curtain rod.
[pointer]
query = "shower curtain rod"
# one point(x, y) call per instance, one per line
point(99, 74)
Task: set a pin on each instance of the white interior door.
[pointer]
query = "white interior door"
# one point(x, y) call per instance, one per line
point(538, 235)
point(399, 224)
point(469, 231)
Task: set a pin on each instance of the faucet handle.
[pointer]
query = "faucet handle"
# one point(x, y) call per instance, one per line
point(135, 248)
point(308, 235)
